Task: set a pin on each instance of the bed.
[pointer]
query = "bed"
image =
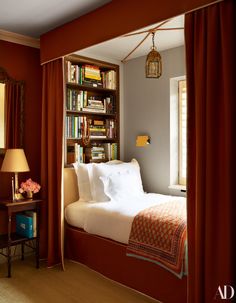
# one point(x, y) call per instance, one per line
point(92, 238)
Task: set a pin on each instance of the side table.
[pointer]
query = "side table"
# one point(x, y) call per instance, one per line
point(12, 238)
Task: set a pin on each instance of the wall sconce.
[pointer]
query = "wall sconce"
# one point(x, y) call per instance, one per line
point(142, 141)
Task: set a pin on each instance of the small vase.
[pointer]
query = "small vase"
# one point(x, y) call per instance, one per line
point(29, 195)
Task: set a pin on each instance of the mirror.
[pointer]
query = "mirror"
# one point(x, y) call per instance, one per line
point(11, 112)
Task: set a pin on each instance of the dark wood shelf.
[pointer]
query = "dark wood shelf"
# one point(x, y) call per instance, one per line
point(79, 112)
point(90, 88)
point(107, 140)
point(15, 239)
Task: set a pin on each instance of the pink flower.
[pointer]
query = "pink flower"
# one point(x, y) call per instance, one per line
point(29, 185)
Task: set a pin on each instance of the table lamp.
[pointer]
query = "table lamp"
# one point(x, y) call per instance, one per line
point(15, 162)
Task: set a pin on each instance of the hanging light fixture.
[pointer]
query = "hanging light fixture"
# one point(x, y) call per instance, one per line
point(153, 62)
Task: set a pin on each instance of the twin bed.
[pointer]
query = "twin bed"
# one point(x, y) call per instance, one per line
point(106, 230)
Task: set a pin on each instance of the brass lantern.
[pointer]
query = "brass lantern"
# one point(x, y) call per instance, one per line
point(153, 62)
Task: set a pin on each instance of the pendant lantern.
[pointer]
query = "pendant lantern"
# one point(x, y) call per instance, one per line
point(153, 62)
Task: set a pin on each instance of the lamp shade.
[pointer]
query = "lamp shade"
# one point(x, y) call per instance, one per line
point(15, 161)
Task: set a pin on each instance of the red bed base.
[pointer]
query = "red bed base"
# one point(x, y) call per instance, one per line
point(109, 258)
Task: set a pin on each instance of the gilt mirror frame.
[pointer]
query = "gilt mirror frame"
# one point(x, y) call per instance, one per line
point(5, 78)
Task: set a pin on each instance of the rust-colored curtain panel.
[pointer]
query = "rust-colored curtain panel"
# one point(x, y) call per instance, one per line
point(51, 161)
point(210, 57)
point(13, 94)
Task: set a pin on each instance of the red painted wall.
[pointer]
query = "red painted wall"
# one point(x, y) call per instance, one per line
point(23, 63)
point(109, 21)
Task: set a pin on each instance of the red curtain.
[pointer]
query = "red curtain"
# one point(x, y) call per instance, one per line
point(14, 113)
point(210, 56)
point(52, 161)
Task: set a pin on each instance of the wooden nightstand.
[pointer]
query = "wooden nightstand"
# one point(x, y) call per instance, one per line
point(12, 238)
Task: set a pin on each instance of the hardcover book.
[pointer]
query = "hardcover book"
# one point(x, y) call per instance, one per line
point(33, 215)
point(24, 225)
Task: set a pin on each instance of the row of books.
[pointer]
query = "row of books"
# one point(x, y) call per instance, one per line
point(26, 224)
point(109, 79)
point(90, 75)
point(78, 127)
point(96, 153)
point(80, 101)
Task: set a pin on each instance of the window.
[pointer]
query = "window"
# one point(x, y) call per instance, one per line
point(182, 132)
point(178, 143)
point(2, 119)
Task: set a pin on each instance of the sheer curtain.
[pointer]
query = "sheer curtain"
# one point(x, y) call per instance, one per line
point(52, 162)
point(210, 56)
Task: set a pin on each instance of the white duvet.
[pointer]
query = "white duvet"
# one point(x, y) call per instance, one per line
point(112, 219)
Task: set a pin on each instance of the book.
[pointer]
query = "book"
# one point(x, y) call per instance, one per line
point(33, 215)
point(93, 110)
point(107, 149)
point(98, 122)
point(24, 225)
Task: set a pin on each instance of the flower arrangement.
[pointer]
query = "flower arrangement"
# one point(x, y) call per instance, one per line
point(29, 186)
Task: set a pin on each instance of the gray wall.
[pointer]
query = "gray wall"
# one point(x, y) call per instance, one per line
point(147, 111)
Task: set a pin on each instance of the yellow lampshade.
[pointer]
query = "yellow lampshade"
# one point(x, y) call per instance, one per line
point(15, 161)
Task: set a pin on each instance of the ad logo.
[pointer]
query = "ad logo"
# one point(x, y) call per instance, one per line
point(224, 293)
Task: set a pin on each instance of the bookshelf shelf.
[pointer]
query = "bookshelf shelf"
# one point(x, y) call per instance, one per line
point(15, 239)
point(87, 87)
point(92, 131)
point(74, 112)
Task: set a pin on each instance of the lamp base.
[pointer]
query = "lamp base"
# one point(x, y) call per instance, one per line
point(18, 196)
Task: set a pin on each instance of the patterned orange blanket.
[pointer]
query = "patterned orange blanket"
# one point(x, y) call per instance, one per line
point(158, 234)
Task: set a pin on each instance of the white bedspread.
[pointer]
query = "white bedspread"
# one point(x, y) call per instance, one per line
point(111, 219)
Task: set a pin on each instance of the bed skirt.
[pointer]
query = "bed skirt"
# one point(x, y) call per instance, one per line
point(109, 258)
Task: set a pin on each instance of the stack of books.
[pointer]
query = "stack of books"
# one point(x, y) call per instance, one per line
point(90, 75)
point(95, 105)
point(97, 129)
point(92, 72)
point(95, 153)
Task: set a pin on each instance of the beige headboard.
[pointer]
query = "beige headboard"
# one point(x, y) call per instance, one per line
point(71, 193)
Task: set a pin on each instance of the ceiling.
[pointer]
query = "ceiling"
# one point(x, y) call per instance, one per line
point(120, 47)
point(35, 17)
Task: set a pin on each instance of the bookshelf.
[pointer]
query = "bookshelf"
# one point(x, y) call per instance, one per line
point(92, 129)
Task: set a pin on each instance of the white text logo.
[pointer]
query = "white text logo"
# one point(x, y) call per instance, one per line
point(224, 293)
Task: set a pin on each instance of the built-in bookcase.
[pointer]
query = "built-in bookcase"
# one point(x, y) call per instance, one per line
point(92, 130)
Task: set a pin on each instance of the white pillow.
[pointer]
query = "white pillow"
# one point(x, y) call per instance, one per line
point(82, 171)
point(121, 185)
point(104, 170)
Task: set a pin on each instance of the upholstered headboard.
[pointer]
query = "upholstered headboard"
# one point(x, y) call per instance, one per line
point(71, 193)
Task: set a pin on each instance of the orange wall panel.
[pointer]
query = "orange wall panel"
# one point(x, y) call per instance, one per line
point(23, 63)
point(109, 21)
